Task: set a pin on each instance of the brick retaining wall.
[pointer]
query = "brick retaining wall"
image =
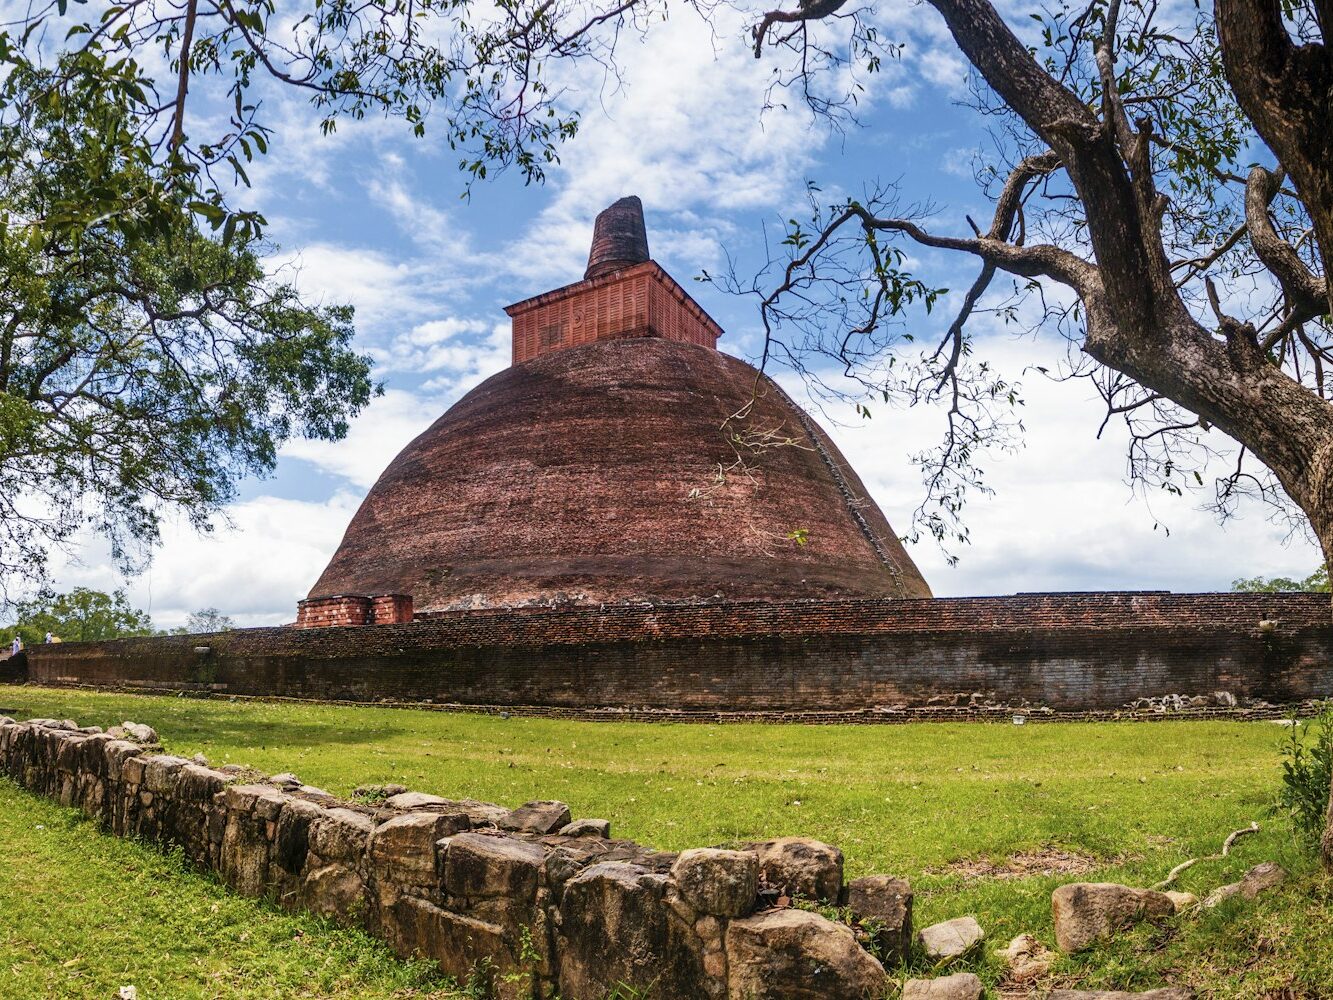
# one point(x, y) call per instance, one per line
point(844, 660)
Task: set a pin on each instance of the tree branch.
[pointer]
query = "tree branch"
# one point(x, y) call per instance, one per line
point(183, 75)
point(1304, 290)
point(812, 11)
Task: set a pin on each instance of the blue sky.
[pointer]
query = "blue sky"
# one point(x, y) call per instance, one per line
point(373, 216)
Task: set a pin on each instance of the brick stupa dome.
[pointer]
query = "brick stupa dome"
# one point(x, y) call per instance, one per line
point(621, 458)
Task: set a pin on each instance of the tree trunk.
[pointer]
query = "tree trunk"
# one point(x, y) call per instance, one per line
point(1284, 89)
point(1137, 322)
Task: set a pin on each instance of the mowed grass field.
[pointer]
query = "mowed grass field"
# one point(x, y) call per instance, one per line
point(945, 805)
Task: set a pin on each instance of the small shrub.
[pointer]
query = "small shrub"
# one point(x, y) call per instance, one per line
point(1307, 769)
point(480, 983)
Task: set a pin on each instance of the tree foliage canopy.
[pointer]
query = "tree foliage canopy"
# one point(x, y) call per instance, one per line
point(145, 365)
point(1316, 582)
point(204, 620)
point(82, 615)
point(1162, 183)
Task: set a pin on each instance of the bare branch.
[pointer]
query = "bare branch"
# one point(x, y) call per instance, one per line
point(814, 11)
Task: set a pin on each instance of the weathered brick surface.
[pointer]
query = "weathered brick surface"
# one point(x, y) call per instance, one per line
point(391, 609)
point(342, 610)
point(610, 473)
point(619, 238)
point(848, 660)
point(637, 301)
point(337, 611)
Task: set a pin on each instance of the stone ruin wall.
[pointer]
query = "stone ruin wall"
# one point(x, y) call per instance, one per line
point(1084, 655)
point(525, 900)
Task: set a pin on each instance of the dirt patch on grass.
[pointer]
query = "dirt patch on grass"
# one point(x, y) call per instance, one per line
point(1024, 864)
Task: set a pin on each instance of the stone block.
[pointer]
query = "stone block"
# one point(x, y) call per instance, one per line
point(93, 755)
point(196, 783)
point(341, 835)
point(116, 753)
point(291, 837)
point(614, 927)
point(800, 867)
point(136, 732)
point(401, 850)
point(244, 855)
point(961, 986)
point(477, 866)
point(132, 768)
point(716, 882)
point(951, 938)
point(562, 864)
point(415, 802)
point(587, 828)
point(460, 944)
point(1086, 912)
point(336, 892)
point(160, 772)
point(261, 800)
point(68, 753)
point(798, 955)
point(883, 906)
point(536, 817)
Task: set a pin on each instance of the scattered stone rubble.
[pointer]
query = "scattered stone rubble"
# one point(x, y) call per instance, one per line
point(548, 905)
point(960, 986)
point(1219, 704)
point(951, 939)
point(883, 907)
point(1027, 959)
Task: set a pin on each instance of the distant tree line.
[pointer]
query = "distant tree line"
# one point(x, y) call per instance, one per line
point(1316, 582)
point(87, 615)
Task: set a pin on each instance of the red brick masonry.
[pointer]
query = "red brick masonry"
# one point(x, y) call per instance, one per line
point(638, 301)
point(1087, 652)
point(597, 472)
point(353, 609)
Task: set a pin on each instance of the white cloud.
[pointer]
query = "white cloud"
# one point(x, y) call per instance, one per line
point(1062, 517)
point(382, 430)
point(386, 291)
point(684, 133)
point(254, 569)
point(420, 221)
point(944, 67)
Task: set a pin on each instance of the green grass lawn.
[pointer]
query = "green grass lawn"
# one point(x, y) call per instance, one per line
point(920, 801)
point(83, 913)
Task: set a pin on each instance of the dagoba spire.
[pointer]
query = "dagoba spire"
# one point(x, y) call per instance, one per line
point(619, 238)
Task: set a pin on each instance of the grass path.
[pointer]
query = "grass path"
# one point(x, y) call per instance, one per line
point(911, 800)
point(83, 913)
